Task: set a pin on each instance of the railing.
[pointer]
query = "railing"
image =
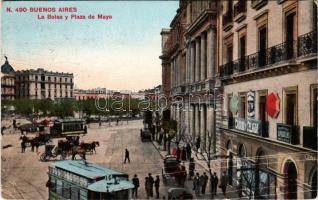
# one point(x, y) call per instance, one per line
point(307, 43)
point(227, 69)
point(239, 7)
point(227, 18)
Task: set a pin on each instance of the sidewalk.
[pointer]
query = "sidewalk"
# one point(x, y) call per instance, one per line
point(201, 167)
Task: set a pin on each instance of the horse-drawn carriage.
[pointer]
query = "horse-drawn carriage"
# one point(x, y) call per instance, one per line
point(52, 151)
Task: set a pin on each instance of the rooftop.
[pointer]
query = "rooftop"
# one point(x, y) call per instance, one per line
point(88, 170)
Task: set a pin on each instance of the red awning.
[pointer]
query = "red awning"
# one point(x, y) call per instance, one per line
point(272, 105)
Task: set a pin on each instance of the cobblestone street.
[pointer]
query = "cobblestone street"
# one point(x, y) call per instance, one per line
point(24, 176)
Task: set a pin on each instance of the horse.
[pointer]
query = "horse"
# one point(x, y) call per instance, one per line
point(90, 147)
point(64, 145)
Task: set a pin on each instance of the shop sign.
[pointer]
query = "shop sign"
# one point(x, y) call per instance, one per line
point(68, 176)
point(249, 125)
point(284, 132)
point(251, 104)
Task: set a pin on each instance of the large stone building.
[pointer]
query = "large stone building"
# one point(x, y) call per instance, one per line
point(7, 81)
point(43, 84)
point(268, 56)
point(257, 60)
point(190, 58)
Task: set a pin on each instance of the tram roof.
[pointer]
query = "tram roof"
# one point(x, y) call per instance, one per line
point(88, 170)
point(110, 186)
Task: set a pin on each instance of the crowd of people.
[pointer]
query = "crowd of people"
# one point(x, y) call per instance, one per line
point(150, 184)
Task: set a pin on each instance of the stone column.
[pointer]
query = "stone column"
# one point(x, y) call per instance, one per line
point(197, 60)
point(197, 120)
point(187, 64)
point(202, 125)
point(211, 49)
point(193, 119)
point(203, 57)
point(193, 70)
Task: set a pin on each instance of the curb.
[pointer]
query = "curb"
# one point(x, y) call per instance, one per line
point(162, 156)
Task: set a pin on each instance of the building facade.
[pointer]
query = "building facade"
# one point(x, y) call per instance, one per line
point(257, 63)
point(43, 84)
point(191, 54)
point(268, 63)
point(7, 81)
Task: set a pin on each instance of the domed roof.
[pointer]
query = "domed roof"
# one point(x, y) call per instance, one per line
point(6, 68)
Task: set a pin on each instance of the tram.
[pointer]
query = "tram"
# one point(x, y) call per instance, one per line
point(79, 179)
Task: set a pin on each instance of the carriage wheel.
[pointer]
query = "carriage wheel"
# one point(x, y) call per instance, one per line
point(43, 157)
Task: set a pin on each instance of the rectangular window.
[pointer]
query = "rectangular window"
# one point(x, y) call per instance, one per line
point(262, 45)
point(243, 106)
point(66, 190)
point(83, 194)
point(262, 112)
point(290, 96)
point(59, 187)
point(75, 193)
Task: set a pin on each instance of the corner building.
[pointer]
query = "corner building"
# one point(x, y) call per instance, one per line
point(268, 69)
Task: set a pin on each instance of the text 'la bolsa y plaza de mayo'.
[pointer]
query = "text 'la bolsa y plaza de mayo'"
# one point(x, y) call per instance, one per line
point(52, 10)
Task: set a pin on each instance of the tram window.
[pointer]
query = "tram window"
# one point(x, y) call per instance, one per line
point(53, 184)
point(83, 194)
point(75, 194)
point(66, 191)
point(59, 186)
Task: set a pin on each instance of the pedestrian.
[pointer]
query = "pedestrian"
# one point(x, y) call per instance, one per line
point(215, 182)
point(117, 121)
point(23, 146)
point(184, 153)
point(37, 144)
point(197, 183)
point(151, 182)
point(14, 124)
point(197, 145)
point(127, 156)
point(191, 168)
point(205, 179)
point(147, 188)
point(223, 183)
point(178, 153)
point(157, 185)
point(2, 129)
point(188, 151)
point(135, 181)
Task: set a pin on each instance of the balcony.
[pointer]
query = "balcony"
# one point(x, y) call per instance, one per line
point(240, 11)
point(288, 133)
point(304, 47)
point(258, 4)
point(227, 69)
point(307, 44)
point(227, 20)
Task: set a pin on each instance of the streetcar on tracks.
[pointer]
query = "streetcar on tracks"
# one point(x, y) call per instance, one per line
point(68, 127)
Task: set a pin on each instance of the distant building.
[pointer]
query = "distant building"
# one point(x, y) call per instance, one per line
point(43, 84)
point(7, 81)
point(78, 179)
point(80, 94)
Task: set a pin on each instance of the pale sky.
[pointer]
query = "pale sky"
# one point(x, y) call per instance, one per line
point(121, 53)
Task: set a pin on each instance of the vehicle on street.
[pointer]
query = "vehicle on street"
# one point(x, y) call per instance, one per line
point(68, 127)
point(171, 169)
point(145, 135)
point(179, 193)
point(31, 127)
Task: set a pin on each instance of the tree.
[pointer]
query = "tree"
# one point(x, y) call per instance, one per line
point(208, 155)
